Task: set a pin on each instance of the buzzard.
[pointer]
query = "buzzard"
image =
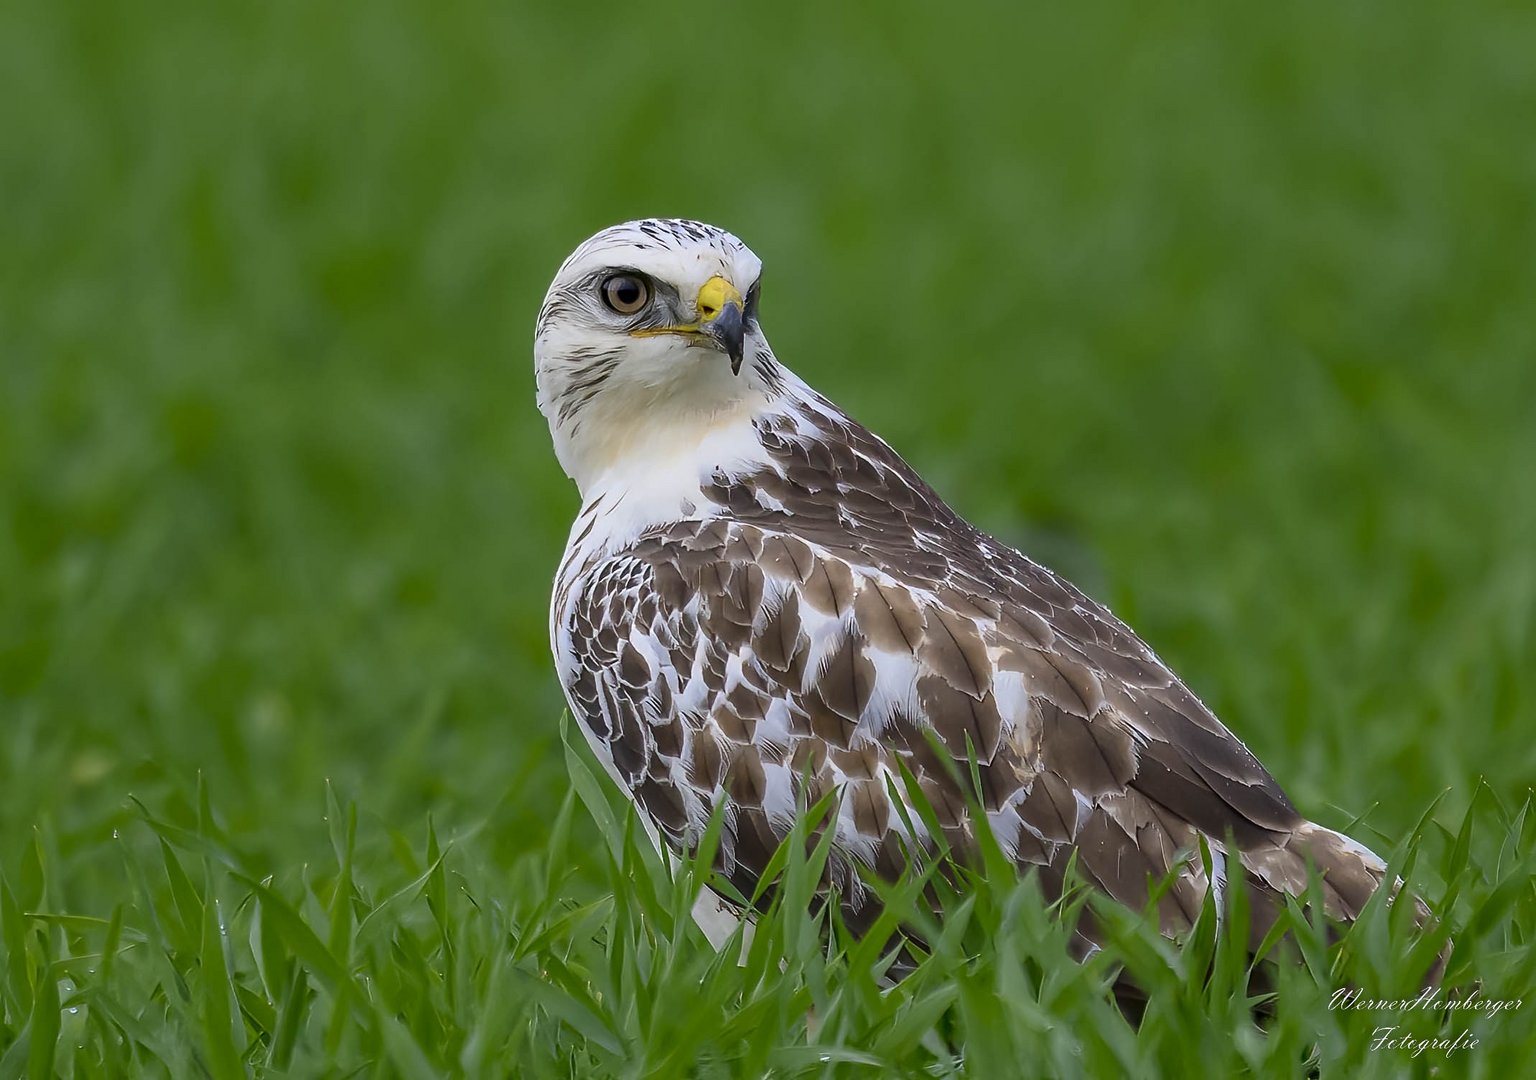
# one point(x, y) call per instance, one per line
point(762, 602)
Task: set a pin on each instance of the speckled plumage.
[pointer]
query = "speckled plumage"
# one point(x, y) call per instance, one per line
point(762, 602)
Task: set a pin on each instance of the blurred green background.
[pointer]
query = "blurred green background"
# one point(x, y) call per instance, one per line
point(1223, 310)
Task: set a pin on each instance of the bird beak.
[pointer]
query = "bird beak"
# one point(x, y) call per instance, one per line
point(721, 324)
point(728, 332)
point(721, 320)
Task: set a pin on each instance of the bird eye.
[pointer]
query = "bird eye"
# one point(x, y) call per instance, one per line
point(626, 293)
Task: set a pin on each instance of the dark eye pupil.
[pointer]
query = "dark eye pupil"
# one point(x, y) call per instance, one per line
point(625, 293)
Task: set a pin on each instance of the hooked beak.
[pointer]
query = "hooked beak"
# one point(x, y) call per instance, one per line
point(720, 319)
point(721, 324)
point(728, 331)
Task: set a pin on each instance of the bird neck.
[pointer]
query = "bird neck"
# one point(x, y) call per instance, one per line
point(668, 435)
point(638, 449)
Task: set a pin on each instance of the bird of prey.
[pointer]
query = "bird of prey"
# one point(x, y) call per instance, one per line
point(762, 602)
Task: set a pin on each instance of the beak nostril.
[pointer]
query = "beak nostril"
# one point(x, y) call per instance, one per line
point(715, 300)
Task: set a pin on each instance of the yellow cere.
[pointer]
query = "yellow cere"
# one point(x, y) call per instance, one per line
point(716, 293)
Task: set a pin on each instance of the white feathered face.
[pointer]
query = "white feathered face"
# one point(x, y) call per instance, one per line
point(648, 323)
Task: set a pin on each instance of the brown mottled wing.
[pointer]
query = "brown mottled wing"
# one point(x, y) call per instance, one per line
point(728, 657)
point(1158, 769)
point(1146, 762)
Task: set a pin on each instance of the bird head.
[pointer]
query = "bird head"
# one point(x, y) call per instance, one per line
point(648, 333)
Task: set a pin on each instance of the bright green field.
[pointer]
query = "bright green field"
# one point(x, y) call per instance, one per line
point(1226, 311)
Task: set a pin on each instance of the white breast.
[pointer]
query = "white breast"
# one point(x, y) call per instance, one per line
point(660, 483)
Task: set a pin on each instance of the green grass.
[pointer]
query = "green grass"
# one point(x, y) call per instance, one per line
point(1222, 311)
point(415, 958)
